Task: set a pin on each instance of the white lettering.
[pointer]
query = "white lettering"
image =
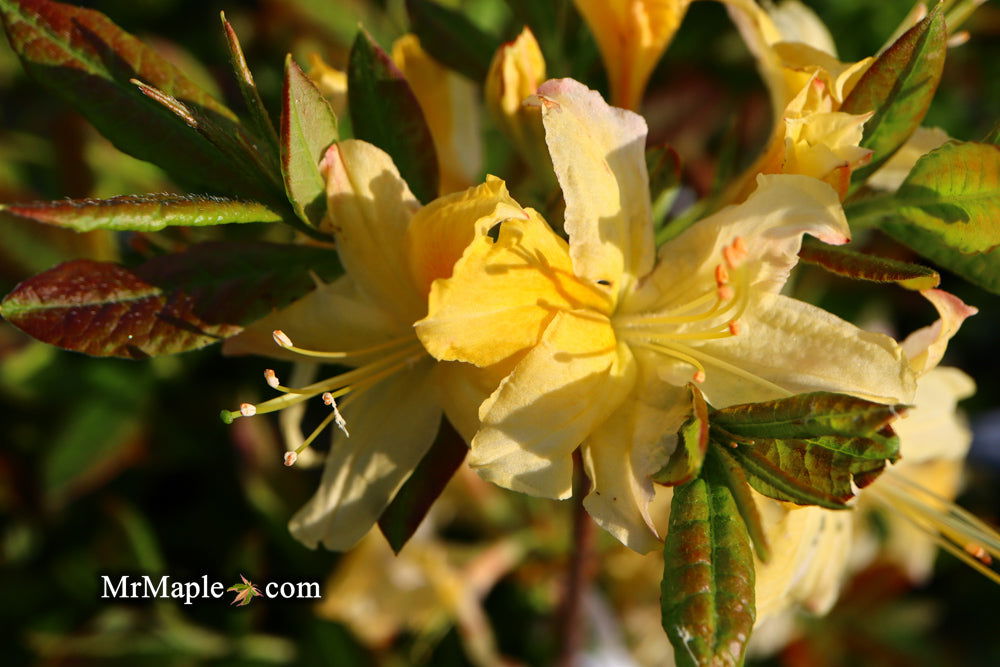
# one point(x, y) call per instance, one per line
point(109, 589)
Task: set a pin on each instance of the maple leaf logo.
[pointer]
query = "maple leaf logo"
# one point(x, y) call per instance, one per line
point(245, 592)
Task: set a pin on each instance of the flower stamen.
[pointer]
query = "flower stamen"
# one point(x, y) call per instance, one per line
point(282, 339)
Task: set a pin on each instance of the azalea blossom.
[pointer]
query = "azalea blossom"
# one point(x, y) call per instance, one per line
point(389, 405)
point(517, 69)
point(605, 336)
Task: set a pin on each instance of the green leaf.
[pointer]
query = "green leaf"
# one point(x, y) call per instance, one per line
point(982, 269)
point(727, 469)
point(692, 443)
point(385, 112)
point(248, 89)
point(707, 594)
point(142, 213)
point(82, 56)
point(664, 167)
point(954, 193)
point(807, 415)
point(308, 128)
point(811, 449)
point(407, 510)
point(170, 304)
point(853, 264)
point(899, 87)
point(452, 39)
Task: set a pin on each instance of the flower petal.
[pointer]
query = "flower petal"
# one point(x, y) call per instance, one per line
point(392, 426)
point(449, 103)
point(557, 394)
point(368, 209)
point(925, 347)
point(598, 153)
point(463, 389)
point(333, 317)
point(895, 170)
point(785, 344)
point(933, 429)
point(771, 223)
point(621, 455)
point(439, 232)
point(502, 295)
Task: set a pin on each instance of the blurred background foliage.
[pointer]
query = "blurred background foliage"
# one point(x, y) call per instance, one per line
point(110, 466)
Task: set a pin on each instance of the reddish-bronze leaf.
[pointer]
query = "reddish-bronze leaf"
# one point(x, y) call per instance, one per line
point(170, 304)
point(853, 264)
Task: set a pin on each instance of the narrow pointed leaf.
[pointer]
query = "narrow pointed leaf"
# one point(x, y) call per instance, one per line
point(308, 128)
point(407, 510)
point(85, 58)
point(953, 192)
point(899, 87)
point(853, 264)
point(142, 213)
point(385, 112)
point(708, 577)
point(726, 469)
point(692, 443)
point(170, 304)
point(452, 39)
point(248, 89)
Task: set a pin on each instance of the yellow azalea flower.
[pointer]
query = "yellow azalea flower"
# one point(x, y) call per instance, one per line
point(810, 135)
point(518, 68)
point(449, 103)
point(391, 401)
point(605, 338)
point(632, 35)
point(425, 589)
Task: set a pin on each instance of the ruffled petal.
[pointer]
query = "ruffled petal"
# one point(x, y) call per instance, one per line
point(557, 394)
point(392, 426)
point(770, 222)
point(503, 294)
point(926, 347)
point(439, 232)
point(787, 346)
point(933, 428)
point(333, 317)
point(448, 101)
point(368, 210)
point(598, 153)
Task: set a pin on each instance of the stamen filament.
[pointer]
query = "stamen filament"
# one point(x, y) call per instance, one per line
point(678, 349)
point(286, 343)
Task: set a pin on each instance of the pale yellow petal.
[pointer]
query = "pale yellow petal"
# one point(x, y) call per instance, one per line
point(622, 454)
point(557, 394)
point(770, 222)
point(895, 170)
point(798, 23)
point(599, 156)
point(809, 558)
point(332, 83)
point(503, 294)
point(449, 103)
point(392, 426)
point(785, 344)
point(332, 318)
point(933, 428)
point(926, 347)
point(439, 233)
point(368, 210)
point(632, 35)
point(463, 389)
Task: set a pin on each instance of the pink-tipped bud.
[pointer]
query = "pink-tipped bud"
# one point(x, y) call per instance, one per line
point(281, 338)
point(721, 275)
point(734, 328)
point(248, 409)
point(291, 458)
point(699, 376)
point(327, 398)
point(271, 378)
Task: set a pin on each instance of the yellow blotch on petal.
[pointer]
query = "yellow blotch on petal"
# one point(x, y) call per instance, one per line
point(503, 294)
point(448, 102)
point(518, 68)
point(632, 35)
